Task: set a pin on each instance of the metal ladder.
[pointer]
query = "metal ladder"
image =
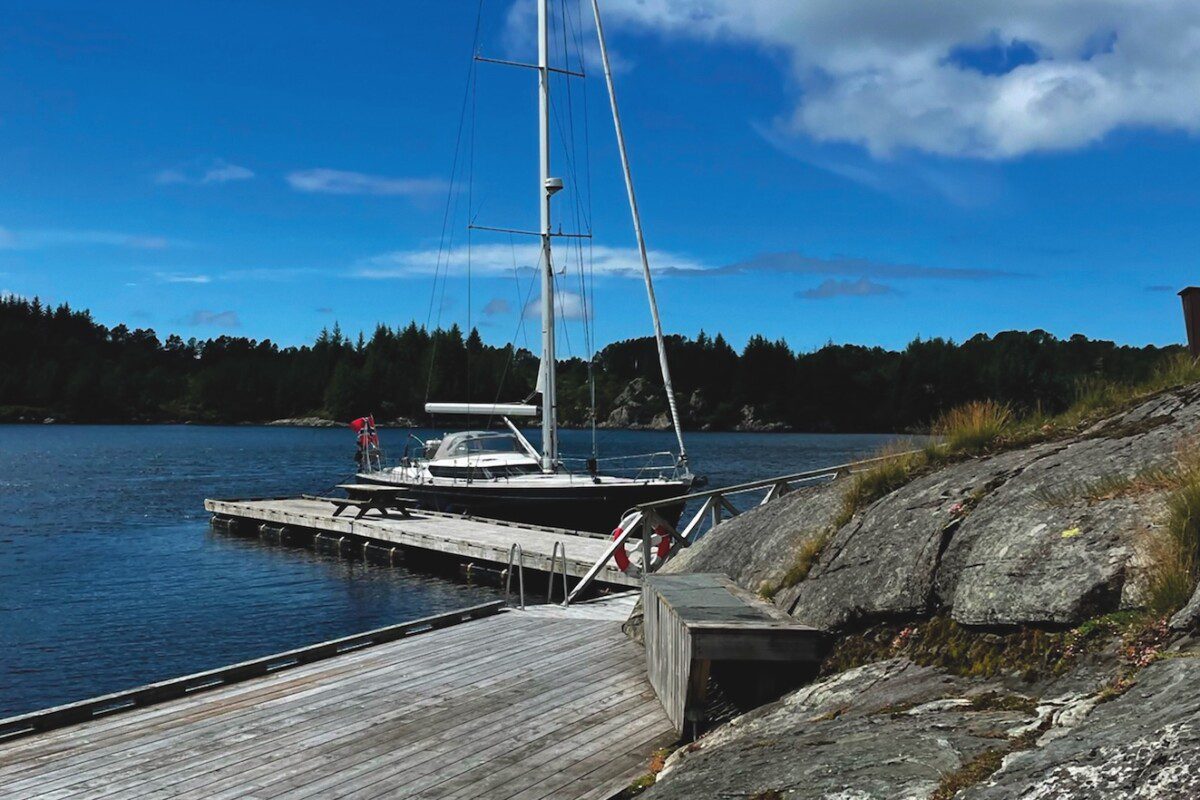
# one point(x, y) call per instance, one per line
point(559, 547)
point(515, 555)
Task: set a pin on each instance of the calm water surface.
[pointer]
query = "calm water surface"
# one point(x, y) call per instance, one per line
point(111, 577)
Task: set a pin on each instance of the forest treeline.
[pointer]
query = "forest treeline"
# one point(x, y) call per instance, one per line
point(58, 362)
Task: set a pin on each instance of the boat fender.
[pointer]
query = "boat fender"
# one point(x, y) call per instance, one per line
point(664, 546)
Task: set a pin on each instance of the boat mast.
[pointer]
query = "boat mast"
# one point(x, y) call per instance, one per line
point(546, 377)
point(641, 240)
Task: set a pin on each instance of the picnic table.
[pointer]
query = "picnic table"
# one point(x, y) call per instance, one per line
point(368, 497)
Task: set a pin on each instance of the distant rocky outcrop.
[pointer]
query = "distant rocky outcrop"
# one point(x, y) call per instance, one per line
point(1037, 553)
point(322, 422)
point(641, 405)
point(638, 407)
point(306, 422)
point(750, 423)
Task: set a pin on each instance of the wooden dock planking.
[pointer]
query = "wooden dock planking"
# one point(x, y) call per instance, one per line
point(242, 701)
point(327, 751)
point(284, 707)
point(217, 760)
point(552, 704)
point(286, 684)
point(465, 538)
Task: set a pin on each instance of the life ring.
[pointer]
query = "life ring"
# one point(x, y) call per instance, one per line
point(663, 548)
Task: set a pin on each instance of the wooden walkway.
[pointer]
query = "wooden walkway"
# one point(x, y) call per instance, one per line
point(517, 705)
point(465, 538)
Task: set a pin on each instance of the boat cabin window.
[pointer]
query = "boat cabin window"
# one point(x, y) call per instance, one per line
point(483, 473)
point(478, 443)
point(489, 444)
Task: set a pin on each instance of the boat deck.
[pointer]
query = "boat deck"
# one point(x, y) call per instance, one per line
point(552, 703)
point(465, 538)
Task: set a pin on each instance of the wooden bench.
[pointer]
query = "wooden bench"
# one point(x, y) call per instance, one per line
point(382, 499)
point(702, 625)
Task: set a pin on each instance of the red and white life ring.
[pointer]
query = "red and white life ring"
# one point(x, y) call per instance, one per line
point(663, 545)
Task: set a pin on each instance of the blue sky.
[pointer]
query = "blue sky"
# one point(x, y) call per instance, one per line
point(911, 168)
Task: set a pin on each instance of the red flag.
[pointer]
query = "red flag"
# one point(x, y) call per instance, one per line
point(358, 424)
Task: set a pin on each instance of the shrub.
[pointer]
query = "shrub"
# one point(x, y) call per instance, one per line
point(974, 427)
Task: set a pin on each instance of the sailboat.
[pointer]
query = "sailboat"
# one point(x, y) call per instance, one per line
point(499, 474)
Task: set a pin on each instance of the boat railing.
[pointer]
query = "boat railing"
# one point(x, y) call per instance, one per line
point(662, 464)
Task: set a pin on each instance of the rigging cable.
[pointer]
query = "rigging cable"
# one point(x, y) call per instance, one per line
point(586, 293)
point(451, 202)
point(470, 212)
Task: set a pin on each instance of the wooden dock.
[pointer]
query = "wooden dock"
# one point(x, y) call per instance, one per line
point(465, 538)
point(552, 703)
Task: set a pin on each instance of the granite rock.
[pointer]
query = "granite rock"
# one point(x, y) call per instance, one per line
point(886, 730)
point(1144, 744)
point(756, 548)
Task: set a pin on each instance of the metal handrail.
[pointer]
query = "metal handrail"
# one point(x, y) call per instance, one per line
point(738, 488)
point(641, 519)
point(628, 526)
point(520, 562)
point(558, 547)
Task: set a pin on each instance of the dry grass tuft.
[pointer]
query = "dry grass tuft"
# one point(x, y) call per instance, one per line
point(901, 466)
point(1110, 486)
point(806, 558)
point(975, 427)
point(1172, 554)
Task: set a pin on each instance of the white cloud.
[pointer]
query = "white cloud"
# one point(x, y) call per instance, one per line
point(501, 259)
point(567, 305)
point(223, 172)
point(519, 38)
point(180, 277)
point(216, 171)
point(883, 73)
point(335, 181)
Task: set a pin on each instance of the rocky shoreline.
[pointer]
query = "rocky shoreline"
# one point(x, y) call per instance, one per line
point(992, 635)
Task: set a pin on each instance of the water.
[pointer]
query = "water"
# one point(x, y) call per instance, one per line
point(111, 577)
